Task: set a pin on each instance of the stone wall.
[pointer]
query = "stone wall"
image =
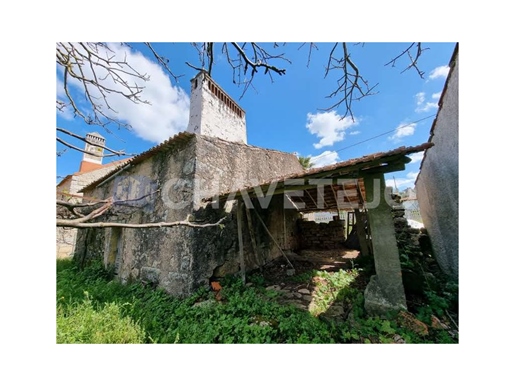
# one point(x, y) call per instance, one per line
point(223, 166)
point(161, 256)
point(182, 259)
point(437, 183)
point(314, 235)
point(67, 190)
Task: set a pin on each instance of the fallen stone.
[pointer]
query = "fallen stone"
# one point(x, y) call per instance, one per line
point(409, 321)
point(307, 298)
point(304, 291)
point(273, 287)
point(398, 339)
point(436, 323)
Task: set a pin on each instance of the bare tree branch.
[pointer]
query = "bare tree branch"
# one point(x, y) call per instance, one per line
point(311, 46)
point(84, 139)
point(99, 207)
point(413, 60)
point(163, 61)
point(94, 67)
point(351, 85)
point(76, 224)
point(260, 58)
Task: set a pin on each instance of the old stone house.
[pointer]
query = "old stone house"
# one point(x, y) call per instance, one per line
point(68, 189)
point(209, 174)
point(174, 177)
point(438, 180)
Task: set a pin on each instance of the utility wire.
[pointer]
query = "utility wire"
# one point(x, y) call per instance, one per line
point(377, 136)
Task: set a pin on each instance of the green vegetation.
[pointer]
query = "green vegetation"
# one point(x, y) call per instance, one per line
point(92, 307)
point(306, 162)
point(84, 324)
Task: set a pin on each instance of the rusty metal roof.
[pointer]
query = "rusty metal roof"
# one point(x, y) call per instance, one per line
point(333, 187)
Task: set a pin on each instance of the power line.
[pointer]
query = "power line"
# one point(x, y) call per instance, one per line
point(377, 136)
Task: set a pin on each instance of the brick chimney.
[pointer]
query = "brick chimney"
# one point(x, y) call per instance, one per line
point(213, 112)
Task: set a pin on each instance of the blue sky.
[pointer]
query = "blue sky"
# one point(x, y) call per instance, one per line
point(289, 114)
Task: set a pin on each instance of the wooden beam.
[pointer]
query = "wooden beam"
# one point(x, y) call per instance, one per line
point(336, 198)
point(312, 199)
point(272, 237)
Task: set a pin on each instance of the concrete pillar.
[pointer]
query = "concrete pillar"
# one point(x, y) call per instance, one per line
point(385, 292)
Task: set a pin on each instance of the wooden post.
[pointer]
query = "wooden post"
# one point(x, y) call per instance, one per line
point(252, 235)
point(360, 230)
point(275, 242)
point(240, 239)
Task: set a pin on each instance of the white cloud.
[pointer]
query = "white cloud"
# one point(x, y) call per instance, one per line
point(355, 132)
point(405, 182)
point(326, 158)
point(416, 157)
point(420, 97)
point(403, 131)
point(428, 106)
point(421, 106)
point(168, 111)
point(329, 126)
point(64, 112)
point(439, 72)
point(436, 95)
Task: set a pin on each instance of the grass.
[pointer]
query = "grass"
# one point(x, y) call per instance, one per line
point(92, 307)
point(82, 323)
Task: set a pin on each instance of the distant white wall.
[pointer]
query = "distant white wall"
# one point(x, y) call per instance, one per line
point(214, 113)
point(437, 183)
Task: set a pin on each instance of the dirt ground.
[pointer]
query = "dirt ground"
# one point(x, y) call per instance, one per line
point(278, 275)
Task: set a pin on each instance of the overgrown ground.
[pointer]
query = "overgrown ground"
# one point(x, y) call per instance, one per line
point(321, 303)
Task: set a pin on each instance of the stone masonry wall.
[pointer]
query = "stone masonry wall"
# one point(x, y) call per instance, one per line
point(322, 235)
point(66, 237)
point(226, 166)
point(182, 259)
point(438, 181)
point(161, 256)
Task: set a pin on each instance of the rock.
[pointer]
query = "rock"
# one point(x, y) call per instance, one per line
point(307, 298)
point(436, 323)
point(398, 339)
point(274, 287)
point(409, 321)
point(290, 272)
point(297, 295)
point(304, 291)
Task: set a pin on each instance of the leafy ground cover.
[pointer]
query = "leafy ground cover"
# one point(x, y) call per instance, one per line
point(93, 307)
